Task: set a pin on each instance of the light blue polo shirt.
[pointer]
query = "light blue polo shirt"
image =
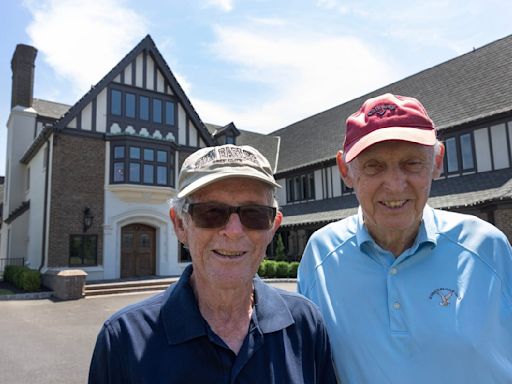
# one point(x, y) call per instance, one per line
point(441, 312)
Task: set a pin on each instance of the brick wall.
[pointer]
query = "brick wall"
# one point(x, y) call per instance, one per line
point(77, 182)
point(503, 220)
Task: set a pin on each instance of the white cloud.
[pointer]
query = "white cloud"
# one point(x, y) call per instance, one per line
point(224, 5)
point(333, 5)
point(307, 73)
point(82, 40)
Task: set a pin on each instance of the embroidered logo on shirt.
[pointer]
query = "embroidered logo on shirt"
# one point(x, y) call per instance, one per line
point(445, 295)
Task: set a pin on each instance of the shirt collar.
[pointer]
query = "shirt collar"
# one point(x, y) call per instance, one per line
point(426, 234)
point(271, 312)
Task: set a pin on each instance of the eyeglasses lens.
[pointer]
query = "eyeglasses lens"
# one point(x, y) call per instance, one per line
point(215, 215)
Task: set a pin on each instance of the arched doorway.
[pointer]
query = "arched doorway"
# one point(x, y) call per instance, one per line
point(138, 250)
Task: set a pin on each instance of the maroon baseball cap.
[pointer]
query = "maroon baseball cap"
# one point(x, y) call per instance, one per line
point(387, 117)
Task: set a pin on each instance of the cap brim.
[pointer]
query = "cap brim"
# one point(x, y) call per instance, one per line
point(413, 135)
point(214, 177)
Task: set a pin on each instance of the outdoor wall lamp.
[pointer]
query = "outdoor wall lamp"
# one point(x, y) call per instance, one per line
point(88, 218)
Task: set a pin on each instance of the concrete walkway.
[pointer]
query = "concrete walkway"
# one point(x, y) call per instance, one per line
point(43, 341)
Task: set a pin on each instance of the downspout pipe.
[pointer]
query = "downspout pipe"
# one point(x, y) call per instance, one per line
point(45, 205)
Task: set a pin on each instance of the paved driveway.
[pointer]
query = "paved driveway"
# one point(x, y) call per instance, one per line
point(42, 341)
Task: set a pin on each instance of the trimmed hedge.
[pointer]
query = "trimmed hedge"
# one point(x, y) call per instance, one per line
point(23, 277)
point(270, 268)
point(280, 269)
point(294, 265)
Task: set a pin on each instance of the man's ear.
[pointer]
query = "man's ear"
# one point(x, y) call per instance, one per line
point(438, 162)
point(179, 228)
point(343, 168)
point(277, 220)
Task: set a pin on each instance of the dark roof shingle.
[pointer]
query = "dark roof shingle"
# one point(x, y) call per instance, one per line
point(454, 92)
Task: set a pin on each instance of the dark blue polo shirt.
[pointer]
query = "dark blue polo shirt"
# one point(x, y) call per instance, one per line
point(164, 339)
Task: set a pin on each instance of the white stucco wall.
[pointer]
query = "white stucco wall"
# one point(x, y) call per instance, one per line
point(36, 213)
point(192, 134)
point(182, 125)
point(87, 117)
point(160, 82)
point(20, 134)
point(101, 111)
point(150, 73)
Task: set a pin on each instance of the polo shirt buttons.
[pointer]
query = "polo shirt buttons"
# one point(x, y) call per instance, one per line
point(396, 305)
point(393, 271)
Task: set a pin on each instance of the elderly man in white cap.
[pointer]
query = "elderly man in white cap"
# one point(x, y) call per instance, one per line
point(410, 294)
point(219, 323)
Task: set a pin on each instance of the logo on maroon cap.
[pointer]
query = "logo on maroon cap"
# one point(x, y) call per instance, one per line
point(381, 109)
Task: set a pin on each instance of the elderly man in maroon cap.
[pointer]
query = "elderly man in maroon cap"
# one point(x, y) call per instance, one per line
point(410, 294)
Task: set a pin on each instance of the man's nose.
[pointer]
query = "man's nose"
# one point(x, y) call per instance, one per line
point(234, 226)
point(395, 179)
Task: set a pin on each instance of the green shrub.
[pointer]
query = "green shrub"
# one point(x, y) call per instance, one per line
point(294, 265)
point(262, 269)
point(282, 269)
point(12, 273)
point(270, 268)
point(18, 274)
point(23, 277)
point(30, 280)
point(9, 273)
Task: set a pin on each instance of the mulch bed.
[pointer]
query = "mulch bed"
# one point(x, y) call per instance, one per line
point(16, 290)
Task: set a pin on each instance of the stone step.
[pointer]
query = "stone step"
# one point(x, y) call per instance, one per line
point(131, 286)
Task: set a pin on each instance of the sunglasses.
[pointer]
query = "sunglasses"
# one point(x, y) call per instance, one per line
point(216, 215)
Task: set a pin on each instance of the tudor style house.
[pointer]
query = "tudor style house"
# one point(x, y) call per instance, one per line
point(86, 186)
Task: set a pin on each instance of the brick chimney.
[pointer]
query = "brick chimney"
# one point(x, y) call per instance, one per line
point(22, 65)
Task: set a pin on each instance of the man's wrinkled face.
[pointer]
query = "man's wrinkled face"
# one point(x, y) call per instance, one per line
point(230, 255)
point(392, 182)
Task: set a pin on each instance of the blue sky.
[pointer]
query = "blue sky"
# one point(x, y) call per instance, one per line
point(263, 64)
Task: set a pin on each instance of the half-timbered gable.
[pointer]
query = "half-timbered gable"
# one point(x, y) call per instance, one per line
point(112, 158)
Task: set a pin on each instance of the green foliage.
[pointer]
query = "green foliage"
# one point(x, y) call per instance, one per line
point(279, 269)
point(30, 280)
point(12, 273)
point(262, 269)
point(294, 265)
point(282, 269)
point(9, 273)
point(279, 253)
point(270, 268)
point(23, 277)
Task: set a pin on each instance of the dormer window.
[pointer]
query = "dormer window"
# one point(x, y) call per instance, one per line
point(157, 109)
point(230, 139)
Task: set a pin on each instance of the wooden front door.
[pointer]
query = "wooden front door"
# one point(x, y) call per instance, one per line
point(138, 250)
